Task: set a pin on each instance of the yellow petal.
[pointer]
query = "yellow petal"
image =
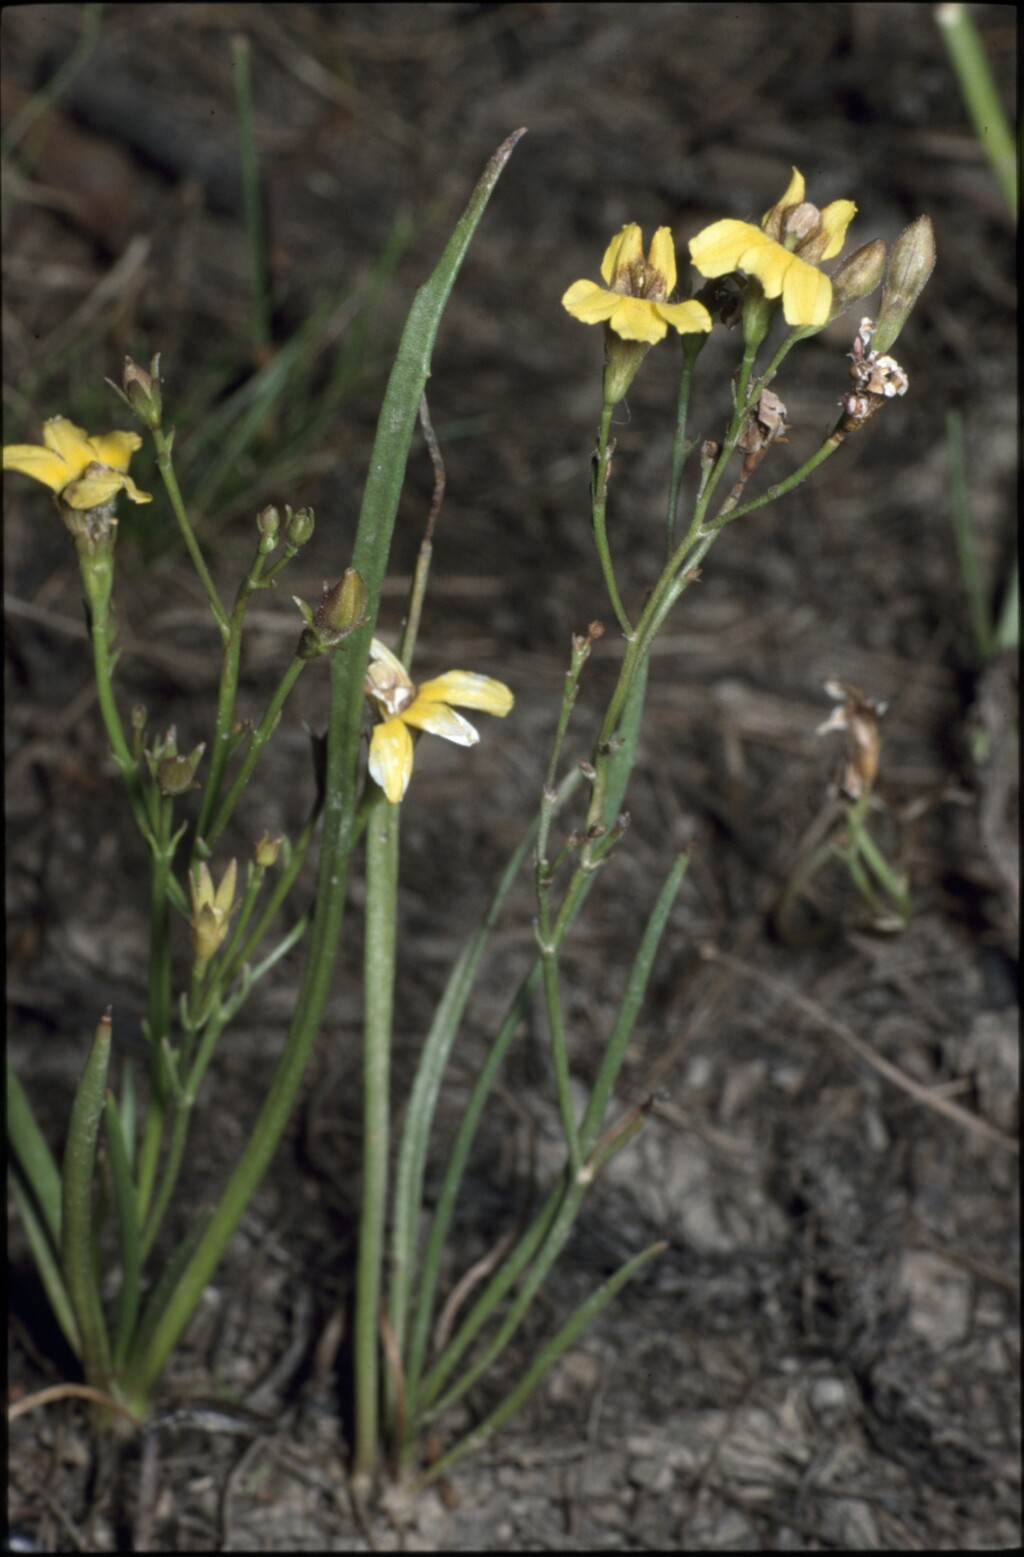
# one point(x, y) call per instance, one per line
point(806, 294)
point(225, 894)
point(771, 264)
point(635, 319)
point(201, 886)
point(835, 219)
point(441, 720)
point(625, 249)
point(662, 258)
point(134, 492)
point(685, 317)
point(115, 449)
point(466, 689)
point(796, 190)
point(41, 464)
point(718, 249)
point(93, 490)
point(391, 758)
point(70, 442)
point(592, 304)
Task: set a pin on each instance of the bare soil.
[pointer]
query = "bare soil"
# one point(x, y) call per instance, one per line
point(827, 1355)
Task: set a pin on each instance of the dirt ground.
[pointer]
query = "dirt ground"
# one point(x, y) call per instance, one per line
point(827, 1355)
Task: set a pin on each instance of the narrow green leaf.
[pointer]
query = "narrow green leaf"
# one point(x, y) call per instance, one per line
point(128, 1225)
point(78, 1256)
point(33, 1156)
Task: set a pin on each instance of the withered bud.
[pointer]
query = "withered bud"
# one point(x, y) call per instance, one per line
point(858, 715)
point(142, 390)
point(176, 775)
point(858, 275)
point(910, 264)
point(298, 526)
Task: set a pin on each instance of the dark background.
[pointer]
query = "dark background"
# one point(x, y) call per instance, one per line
point(827, 1355)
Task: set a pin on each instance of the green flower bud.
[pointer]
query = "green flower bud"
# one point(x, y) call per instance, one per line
point(298, 527)
point(857, 276)
point(267, 851)
point(340, 612)
point(910, 264)
point(268, 522)
point(622, 361)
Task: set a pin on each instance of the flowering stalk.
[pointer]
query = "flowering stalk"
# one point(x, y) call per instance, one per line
point(380, 503)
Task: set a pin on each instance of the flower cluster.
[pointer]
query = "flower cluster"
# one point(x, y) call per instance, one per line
point(782, 255)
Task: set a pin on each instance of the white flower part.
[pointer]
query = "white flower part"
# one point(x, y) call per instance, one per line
point(441, 720)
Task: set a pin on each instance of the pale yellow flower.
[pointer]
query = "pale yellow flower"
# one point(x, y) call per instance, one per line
point(211, 909)
point(403, 706)
point(783, 253)
point(634, 299)
point(85, 472)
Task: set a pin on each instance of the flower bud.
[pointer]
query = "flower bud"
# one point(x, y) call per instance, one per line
point(910, 264)
point(341, 611)
point(267, 851)
point(211, 910)
point(268, 522)
point(622, 361)
point(298, 527)
point(142, 390)
point(857, 276)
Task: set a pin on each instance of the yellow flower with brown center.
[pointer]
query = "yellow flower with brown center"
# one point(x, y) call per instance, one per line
point(403, 707)
point(783, 253)
point(634, 300)
point(84, 472)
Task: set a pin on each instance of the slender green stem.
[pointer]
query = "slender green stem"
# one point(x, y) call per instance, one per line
point(378, 1001)
point(559, 1048)
point(629, 1010)
point(97, 570)
point(165, 464)
point(980, 94)
point(598, 515)
point(729, 509)
point(421, 572)
point(692, 347)
point(252, 194)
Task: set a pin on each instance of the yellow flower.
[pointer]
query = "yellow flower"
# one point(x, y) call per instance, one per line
point(211, 910)
point(402, 706)
point(85, 472)
point(633, 301)
point(782, 253)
